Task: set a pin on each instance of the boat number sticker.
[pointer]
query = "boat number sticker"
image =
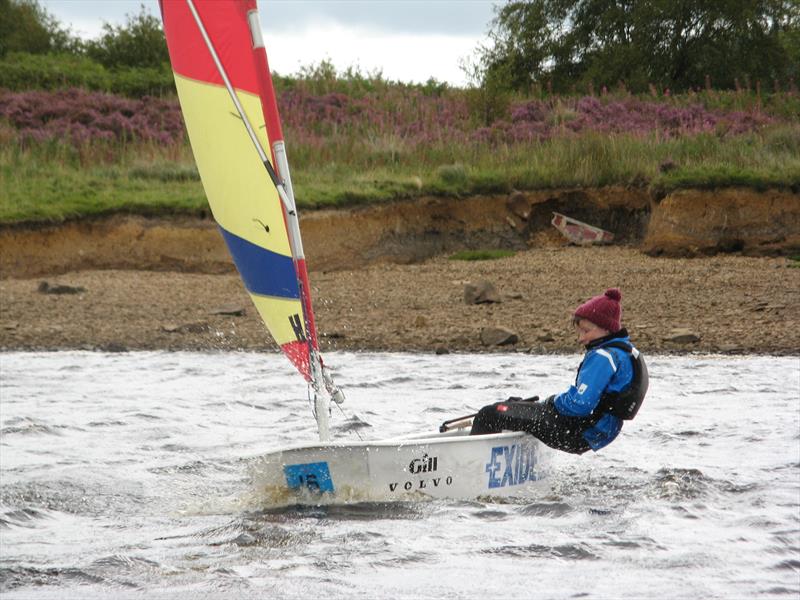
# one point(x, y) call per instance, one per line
point(312, 476)
point(511, 465)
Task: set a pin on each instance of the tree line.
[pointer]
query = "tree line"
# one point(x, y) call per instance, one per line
point(38, 52)
point(26, 27)
point(553, 46)
point(676, 45)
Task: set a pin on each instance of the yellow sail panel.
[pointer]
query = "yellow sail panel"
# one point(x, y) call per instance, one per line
point(242, 198)
point(283, 317)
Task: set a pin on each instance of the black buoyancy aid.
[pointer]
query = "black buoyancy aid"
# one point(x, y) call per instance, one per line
point(625, 404)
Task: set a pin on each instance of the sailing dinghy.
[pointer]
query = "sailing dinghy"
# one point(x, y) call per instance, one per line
point(231, 114)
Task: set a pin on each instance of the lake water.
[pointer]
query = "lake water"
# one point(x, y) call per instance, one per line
point(126, 476)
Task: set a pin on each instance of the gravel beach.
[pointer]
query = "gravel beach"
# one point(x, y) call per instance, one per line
point(722, 304)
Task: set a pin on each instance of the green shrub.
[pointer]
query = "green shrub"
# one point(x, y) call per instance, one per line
point(21, 71)
point(452, 175)
point(140, 43)
point(143, 81)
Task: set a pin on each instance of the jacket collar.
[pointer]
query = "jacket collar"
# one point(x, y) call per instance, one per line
point(621, 334)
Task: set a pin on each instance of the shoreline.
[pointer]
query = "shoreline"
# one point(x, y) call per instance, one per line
point(726, 304)
point(578, 351)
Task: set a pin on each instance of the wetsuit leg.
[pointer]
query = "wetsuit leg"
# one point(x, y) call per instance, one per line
point(540, 419)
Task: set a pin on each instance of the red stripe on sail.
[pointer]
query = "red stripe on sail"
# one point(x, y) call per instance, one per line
point(269, 103)
point(226, 24)
point(269, 106)
point(305, 293)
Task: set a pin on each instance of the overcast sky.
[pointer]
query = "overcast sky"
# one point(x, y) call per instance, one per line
point(408, 40)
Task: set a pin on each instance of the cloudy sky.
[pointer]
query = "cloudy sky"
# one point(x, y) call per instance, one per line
point(408, 40)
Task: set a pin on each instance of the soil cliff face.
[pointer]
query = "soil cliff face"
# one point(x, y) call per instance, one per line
point(685, 223)
point(690, 222)
point(118, 242)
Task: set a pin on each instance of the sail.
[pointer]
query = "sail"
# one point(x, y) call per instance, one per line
point(216, 51)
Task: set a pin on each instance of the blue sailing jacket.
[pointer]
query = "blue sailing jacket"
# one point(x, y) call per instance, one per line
point(604, 369)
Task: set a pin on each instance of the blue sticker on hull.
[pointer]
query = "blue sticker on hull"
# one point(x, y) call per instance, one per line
point(315, 477)
point(511, 465)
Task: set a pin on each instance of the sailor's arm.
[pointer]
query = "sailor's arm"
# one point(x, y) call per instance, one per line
point(593, 378)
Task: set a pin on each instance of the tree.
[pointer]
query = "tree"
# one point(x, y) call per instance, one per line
point(138, 43)
point(673, 44)
point(27, 27)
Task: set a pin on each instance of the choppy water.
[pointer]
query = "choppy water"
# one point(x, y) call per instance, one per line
point(126, 475)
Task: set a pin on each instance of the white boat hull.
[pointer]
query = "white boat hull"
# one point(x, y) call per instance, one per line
point(435, 465)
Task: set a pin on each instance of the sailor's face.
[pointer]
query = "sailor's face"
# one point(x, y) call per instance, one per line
point(588, 331)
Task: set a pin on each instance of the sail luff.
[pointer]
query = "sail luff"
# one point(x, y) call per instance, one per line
point(322, 384)
point(269, 104)
point(325, 389)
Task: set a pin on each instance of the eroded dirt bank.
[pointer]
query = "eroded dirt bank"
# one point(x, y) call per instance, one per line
point(687, 223)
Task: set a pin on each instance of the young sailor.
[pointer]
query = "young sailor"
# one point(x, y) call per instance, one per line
point(611, 384)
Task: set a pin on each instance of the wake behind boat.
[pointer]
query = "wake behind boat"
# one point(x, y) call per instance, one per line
point(229, 106)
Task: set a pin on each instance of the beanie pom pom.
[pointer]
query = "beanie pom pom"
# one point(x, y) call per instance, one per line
point(614, 294)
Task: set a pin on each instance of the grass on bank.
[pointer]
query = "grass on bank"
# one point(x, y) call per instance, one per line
point(473, 255)
point(54, 182)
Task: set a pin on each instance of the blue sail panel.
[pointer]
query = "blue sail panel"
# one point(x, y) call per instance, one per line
point(264, 272)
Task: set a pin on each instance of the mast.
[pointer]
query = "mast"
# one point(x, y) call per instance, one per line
point(275, 135)
point(321, 382)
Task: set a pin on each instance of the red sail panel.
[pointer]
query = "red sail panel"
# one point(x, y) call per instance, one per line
point(305, 293)
point(226, 24)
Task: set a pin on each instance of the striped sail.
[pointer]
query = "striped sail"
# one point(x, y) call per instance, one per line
point(260, 230)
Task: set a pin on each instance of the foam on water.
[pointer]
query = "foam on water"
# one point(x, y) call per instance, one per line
point(127, 475)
